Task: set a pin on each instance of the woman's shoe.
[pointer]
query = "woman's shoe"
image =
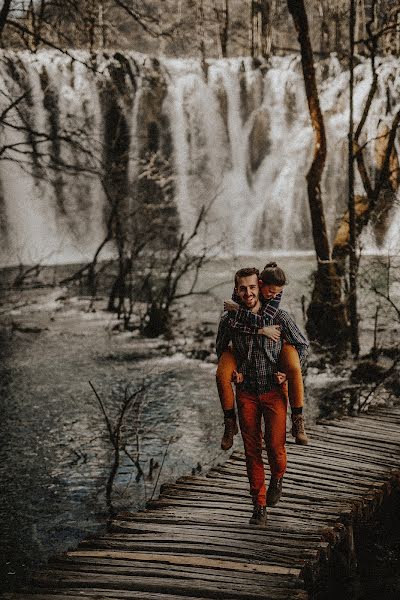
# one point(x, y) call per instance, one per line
point(298, 430)
point(231, 429)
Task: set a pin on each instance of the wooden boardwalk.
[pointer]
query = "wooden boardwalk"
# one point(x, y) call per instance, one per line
point(195, 540)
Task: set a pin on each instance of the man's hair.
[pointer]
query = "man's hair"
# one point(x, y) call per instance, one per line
point(246, 272)
point(273, 275)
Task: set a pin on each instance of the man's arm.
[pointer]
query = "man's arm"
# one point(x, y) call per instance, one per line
point(292, 334)
point(248, 322)
point(223, 335)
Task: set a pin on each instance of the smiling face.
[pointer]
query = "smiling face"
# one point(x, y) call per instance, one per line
point(269, 291)
point(248, 291)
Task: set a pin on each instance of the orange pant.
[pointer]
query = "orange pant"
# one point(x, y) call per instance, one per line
point(289, 363)
point(251, 408)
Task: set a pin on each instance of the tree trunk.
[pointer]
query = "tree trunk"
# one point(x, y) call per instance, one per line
point(4, 14)
point(222, 15)
point(327, 322)
point(353, 263)
point(261, 29)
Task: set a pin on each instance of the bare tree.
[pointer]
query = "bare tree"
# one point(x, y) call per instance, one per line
point(380, 175)
point(326, 313)
point(221, 11)
point(355, 344)
point(261, 27)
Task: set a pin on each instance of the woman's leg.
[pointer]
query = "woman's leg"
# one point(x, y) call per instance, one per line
point(289, 363)
point(226, 366)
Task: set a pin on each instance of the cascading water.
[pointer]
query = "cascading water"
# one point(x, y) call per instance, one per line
point(237, 139)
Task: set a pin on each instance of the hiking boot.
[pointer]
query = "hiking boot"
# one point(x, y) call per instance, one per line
point(259, 516)
point(231, 429)
point(274, 491)
point(298, 431)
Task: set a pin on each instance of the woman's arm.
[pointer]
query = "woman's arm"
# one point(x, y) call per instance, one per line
point(248, 322)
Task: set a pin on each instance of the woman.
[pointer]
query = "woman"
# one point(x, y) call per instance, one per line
point(272, 281)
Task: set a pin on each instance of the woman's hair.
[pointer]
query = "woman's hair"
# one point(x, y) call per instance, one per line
point(273, 275)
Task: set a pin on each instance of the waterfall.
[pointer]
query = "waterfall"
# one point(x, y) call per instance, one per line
point(236, 137)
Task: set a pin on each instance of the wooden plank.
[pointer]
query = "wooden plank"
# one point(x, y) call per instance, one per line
point(105, 594)
point(165, 585)
point(283, 555)
point(387, 429)
point(148, 569)
point(361, 436)
point(194, 544)
point(125, 530)
point(172, 559)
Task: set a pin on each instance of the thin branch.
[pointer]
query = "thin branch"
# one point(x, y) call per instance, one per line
point(161, 467)
point(138, 18)
point(103, 410)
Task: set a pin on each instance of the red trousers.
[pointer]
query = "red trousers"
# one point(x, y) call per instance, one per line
point(289, 363)
point(251, 408)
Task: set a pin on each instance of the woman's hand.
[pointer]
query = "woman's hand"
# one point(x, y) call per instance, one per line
point(231, 305)
point(280, 377)
point(237, 377)
point(273, 332)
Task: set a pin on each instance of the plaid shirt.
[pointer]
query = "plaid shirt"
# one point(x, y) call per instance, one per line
point(247, 322)
point(258, 356)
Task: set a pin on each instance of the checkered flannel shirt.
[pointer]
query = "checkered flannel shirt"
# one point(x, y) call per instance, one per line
point(247, 322)
point(257, 356)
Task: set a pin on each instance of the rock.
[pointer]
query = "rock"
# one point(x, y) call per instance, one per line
point(368, 371)
point(27, 328)
point(259, 140)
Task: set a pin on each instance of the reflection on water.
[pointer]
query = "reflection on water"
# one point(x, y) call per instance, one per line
point(56, 453)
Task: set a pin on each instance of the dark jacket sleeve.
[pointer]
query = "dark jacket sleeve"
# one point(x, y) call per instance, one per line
point(223, 335)
point(292, 334)
point(248, 322)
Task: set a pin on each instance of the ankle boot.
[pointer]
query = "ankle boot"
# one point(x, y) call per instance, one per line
point(298, 430)
point(259, 516)
point(274, 491)
point(231, 429)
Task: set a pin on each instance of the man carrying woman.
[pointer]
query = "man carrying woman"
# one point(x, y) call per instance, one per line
point(255, 359)
point(272, 281)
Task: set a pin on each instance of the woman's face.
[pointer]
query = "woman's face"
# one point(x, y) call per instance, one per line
point(269, 291)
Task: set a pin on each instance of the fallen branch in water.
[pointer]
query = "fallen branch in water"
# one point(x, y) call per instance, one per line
point(115, 438)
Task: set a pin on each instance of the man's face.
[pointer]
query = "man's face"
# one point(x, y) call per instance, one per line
point(248, 291)
point(269, 291)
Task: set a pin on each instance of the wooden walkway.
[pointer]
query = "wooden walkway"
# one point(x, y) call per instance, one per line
point(195, 540)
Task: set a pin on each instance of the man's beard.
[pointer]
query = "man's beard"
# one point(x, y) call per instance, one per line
point(251, 303)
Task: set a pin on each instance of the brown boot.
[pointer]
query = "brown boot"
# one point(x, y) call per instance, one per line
point(231, 429)
point(298, 430)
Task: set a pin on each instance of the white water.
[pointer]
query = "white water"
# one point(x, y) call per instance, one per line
point(61, 217)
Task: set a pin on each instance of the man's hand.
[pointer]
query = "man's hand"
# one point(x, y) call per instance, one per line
point(273, 332)
point(237, 377)
point(280, 377)
point(230, 305)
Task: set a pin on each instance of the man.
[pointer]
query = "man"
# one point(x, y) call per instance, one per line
point(258, 394)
